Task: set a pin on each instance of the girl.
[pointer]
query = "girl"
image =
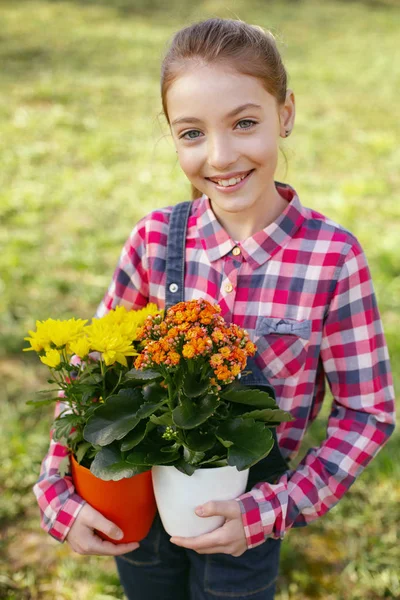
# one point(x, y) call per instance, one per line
point(299, 284)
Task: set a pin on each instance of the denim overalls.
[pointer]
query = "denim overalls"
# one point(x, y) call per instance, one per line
point(159, 570)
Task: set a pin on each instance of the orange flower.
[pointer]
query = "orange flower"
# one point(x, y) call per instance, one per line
point(225, 351)
point(194, 332)
point(174, 358)
point(173, 332)
point(195, 329)
point(250, 348)
point(188, 350)
point(223, 373)
point(235, 370)
point(217, 335)
point(139, 361)
point(216, 360)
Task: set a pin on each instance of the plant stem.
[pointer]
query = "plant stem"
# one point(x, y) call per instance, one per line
point(103, 374)
point(170, 395)
point(115, 387)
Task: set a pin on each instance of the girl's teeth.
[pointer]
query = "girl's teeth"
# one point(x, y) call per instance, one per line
point(232, 181)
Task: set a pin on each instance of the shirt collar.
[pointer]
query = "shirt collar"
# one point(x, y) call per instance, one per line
point(259, 248)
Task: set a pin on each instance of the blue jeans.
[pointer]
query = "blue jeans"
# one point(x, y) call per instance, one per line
point(159, 570)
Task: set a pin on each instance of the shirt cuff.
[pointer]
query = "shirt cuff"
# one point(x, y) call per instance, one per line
point(251, 519)
point(66, 517)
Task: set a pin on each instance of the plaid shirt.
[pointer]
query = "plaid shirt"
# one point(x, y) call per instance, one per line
point(302, 289)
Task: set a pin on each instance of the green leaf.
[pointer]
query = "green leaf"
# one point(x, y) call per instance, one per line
point(275, 415)
point(63, 425)
point(38, 403)
point(109, 465)
point(64, 468)
point(195, 440)
point(137, 434)
point(252, 441)
point(81, 450)
point(115, 418)
point(249, 396)
point(154, 456)
point(165, 419)
point(192, 457)
point(215, 461)
point(138, 375)
point(191, 413)
point(194, 386)
point(184, 467)
point(225, 443)
point(91, 378)
point(155, 396)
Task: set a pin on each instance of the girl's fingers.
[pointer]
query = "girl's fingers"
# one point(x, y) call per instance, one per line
point(95, 520)
point(103, 547)
point(201, 542)
point(83, 539)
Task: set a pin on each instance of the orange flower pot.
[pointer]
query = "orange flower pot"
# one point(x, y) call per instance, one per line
point(129, 502)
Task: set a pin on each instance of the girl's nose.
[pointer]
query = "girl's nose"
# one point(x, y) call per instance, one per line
point(221, 154)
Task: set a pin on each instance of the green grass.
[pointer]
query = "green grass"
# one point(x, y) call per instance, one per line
point(84, 155)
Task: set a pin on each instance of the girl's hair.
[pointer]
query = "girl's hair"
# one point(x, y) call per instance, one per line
point(249, 49)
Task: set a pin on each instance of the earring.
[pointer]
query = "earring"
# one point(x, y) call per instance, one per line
point(287, 132)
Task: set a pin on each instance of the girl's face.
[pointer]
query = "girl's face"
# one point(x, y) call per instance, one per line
point(225, 126)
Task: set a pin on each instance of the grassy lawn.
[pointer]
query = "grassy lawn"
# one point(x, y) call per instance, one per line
point(84, 154)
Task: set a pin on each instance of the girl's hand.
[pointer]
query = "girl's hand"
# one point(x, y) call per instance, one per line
point(228, 539)
point(83, 540)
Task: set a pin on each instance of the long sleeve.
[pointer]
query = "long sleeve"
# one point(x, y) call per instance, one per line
point(129, 286)
point(58, 503)
point(356, 365)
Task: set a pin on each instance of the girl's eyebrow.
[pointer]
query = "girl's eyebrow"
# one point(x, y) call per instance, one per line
point(233, 113)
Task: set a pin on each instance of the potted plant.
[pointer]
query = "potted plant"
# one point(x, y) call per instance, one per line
point(90, 367)
point(199, 429)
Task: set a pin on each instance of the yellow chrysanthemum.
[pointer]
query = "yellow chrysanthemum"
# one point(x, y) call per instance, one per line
point(106, 339)
point(39, 340)
point(80, 347)
point(127, 322)
point(56, 332)
point(51, 359)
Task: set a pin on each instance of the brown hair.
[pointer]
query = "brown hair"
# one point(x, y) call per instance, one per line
point(249, 48)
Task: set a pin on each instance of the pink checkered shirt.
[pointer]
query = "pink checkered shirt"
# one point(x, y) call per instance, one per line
point(302, 289)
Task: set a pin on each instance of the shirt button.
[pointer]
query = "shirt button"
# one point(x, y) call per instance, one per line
point(228, 287)
point(236, 251)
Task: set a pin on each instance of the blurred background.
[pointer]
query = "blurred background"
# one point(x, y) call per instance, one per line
point(84, 153)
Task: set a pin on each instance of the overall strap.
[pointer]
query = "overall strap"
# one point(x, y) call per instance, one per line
point(272, 466)
point(176, 247)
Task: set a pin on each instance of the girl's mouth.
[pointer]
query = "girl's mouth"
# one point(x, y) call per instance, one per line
point(234, 187)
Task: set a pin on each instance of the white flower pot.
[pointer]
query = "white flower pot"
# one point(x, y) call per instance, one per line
point(177, 495)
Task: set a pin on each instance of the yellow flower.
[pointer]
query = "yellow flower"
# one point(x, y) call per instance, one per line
point(127, 322)
point(105, 338)
point(56, 332)
point(39, 340)
point(80, 347)
point(52, 358)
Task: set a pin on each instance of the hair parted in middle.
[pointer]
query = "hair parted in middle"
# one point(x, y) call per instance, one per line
point(249, 49)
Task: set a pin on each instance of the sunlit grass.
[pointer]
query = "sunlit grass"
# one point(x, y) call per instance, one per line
point(84, 155)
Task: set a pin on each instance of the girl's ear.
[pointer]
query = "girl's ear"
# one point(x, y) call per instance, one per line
point(287, 114)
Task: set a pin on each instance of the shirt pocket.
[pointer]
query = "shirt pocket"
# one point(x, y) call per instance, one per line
point(282, 345)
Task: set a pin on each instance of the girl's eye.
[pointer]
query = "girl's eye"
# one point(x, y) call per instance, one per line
point(247, 121)
point(188, 135)
point(183, 137)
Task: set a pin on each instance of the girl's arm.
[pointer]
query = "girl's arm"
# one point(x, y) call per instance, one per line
point(356, 364)
point(59, 504)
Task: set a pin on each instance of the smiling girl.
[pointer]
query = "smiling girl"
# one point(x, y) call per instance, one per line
point(298, 282)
